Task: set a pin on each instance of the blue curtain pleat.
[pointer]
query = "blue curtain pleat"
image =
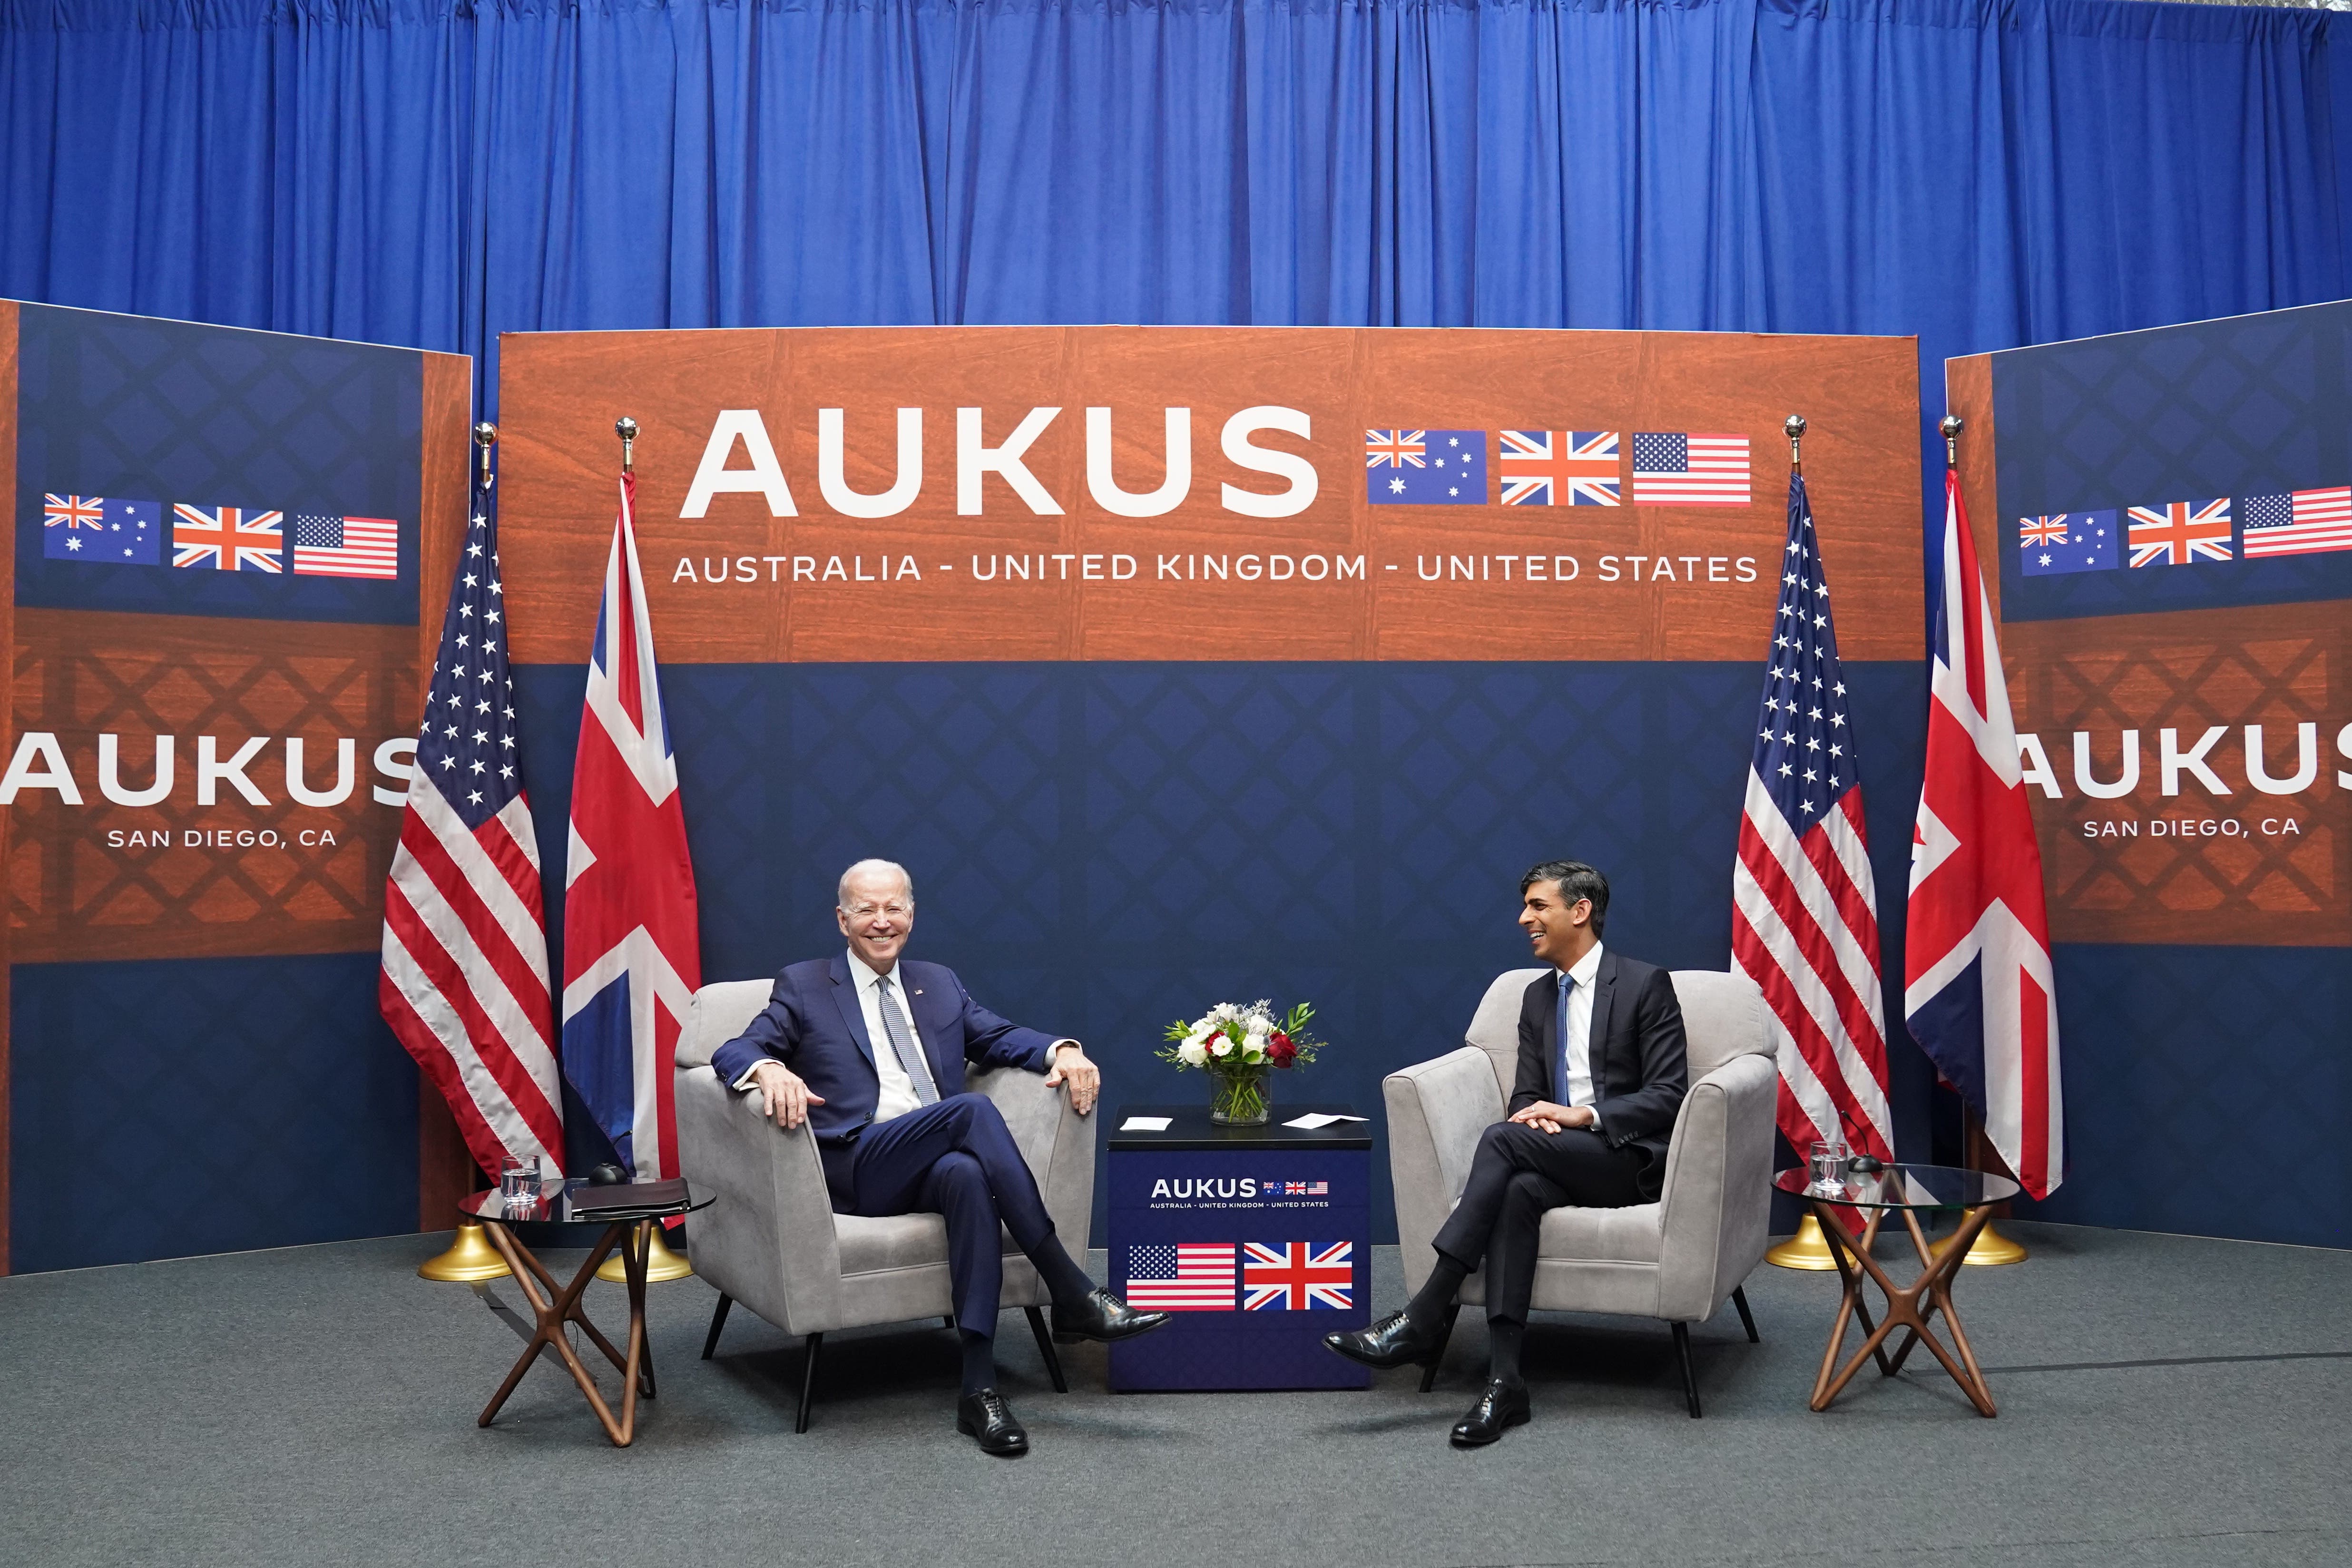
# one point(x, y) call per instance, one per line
point(433, 172)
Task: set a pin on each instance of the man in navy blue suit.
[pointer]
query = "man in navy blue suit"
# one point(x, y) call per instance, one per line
point(870, 1052)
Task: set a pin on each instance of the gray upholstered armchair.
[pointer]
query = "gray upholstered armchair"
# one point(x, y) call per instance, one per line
point(1678, 1258)
point(773, 1242)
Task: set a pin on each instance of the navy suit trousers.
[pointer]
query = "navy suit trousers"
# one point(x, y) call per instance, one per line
point(955, 1158)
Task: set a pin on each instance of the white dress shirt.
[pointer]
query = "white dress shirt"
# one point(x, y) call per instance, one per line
point(1580, 1090)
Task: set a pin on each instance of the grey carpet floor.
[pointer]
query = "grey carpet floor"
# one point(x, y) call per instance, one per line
point(317, 1404)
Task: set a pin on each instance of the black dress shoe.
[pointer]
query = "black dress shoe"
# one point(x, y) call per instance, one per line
point(1391, 1342)
point(1502, 1405)
point(1104, 1316)
point(982, 1414)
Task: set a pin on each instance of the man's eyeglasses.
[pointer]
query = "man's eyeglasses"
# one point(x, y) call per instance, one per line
point(894, 909)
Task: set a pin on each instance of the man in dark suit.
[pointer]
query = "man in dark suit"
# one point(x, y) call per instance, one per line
point(870, 1052)
point(1600, 1077)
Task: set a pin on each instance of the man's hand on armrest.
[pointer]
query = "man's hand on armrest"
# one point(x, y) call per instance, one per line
point(782, 1093)
point(1066, 1063)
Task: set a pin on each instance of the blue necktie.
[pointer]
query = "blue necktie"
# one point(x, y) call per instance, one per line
point(1560, 1030)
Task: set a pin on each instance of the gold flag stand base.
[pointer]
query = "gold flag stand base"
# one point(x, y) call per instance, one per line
point(1809, 1248)
point(1991, 1247)
point(661, 1264)
point(471, 1258)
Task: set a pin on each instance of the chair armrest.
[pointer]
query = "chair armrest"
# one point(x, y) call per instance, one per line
point(1057, 1143)
point(768, 1240)
point(1436, 1112)
point(1717, 1204)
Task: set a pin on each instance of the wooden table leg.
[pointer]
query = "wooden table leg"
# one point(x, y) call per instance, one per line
point(554, 1310)
point(1903, 1308)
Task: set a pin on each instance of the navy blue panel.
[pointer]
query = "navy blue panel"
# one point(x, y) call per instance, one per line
point(1098, 848)
point(166, 412)
point(165, 1107)
point(2234, 408)
point(2207, 1090)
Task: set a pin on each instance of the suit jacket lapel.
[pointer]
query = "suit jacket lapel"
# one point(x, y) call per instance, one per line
point(1604, 992)
point(852, 1012)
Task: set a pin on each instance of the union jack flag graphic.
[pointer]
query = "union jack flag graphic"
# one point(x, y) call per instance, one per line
point(2182, 532)
point(632, 946)
point(1559, 468)
point(1294, 1276)
point(229, 538)
point(1395, 448)
point(72, 511)
point(2041, 530)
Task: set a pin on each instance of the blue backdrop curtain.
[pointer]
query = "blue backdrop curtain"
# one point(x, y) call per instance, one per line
point(431, 172)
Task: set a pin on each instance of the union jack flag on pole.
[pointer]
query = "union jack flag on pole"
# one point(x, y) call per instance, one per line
point(1804, 924)
point(464, 983)
point(631, 941)
point(1978, 988)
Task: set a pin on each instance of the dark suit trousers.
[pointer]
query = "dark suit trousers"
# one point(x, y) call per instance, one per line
point(955, 1158)
point(1519, 1174)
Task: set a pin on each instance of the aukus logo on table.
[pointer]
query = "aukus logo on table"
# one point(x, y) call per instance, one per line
point(115, 532)
point(2188, 532)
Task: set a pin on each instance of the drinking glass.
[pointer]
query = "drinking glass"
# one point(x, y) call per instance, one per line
point(1829, 1164)
point(518, 1181)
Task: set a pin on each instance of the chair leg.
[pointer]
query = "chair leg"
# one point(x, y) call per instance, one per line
point(1747, 1318)
point(1445, 1333)
point(809, 1349)
point(1690, 1377)
point(1046, 1349)
point(949, 1322)
point(717, 1321)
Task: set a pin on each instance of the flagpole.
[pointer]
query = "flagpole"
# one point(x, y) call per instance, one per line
point(1808, 1250)
point(1991, 1247)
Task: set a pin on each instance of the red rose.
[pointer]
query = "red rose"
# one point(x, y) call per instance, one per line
point(1279, 1050)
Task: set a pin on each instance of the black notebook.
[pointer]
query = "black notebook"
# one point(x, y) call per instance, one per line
point(626, 1196)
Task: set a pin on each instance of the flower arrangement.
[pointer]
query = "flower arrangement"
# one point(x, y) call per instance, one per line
point(1238, 1046)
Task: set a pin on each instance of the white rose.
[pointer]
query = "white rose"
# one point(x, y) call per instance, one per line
point(1221, 1046)
point(1192, 1053)
point(1254, 1052)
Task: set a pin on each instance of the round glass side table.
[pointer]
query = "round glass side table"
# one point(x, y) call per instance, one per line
point(1907, 1191)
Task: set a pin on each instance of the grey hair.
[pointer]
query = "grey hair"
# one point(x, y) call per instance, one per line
point(840, 889)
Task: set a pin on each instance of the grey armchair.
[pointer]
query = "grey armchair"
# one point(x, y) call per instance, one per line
point(773, 1242)
point(1678, 1258)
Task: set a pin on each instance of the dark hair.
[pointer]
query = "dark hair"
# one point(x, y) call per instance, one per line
point(1577, 881)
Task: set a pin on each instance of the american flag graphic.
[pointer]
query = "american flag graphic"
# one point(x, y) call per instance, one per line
point(346, 546)
point(1671, 468)
point(1189, 1277)
point(1979, 991)
point(2179, 533)
point(1804, 924)
point(1559, 468)
point(464, 983)
point(2301, 522)
point(228, 538)
point(1395, 448)
point(1294, 1276)
point(632, 939)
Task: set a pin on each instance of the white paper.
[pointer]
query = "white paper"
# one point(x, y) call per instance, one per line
point(1315, 1119)
point(1146, 1124)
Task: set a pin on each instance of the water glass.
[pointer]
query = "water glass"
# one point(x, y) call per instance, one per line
point(1829, 1164)
point(518, 1181)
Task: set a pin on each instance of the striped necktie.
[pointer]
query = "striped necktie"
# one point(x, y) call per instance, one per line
point(902, 1040)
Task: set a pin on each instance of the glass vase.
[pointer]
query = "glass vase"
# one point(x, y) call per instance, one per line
point(1238, 1096)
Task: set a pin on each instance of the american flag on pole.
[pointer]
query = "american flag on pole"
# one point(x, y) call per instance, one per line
point(1189, 1277)
point(1803, 923)
point(1977, 990)
point(464, 983)
point(632, 939)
